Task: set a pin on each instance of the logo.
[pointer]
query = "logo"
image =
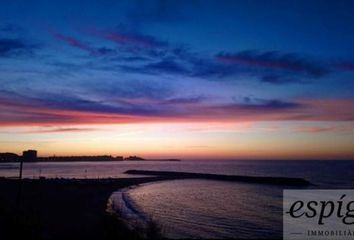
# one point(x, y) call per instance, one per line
point(318, 214)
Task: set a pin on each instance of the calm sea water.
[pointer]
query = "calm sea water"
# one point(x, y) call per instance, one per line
point(204, 208)
point(210, 209)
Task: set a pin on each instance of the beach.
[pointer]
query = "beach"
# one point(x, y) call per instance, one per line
point(62, 209)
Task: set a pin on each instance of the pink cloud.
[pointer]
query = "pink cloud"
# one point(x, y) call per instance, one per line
point(72, 41)
point(346, 66)
point(29, 112)
point(129, 38)
point(316, 129)
point(274, 60)
point(63, 130)
point(258, 62)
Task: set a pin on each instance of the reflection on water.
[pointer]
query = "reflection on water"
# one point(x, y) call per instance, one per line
point(212, 209)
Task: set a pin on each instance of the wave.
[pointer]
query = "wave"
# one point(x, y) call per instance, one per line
point(123, 207)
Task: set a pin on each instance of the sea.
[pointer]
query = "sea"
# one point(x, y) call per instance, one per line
point(205, 208)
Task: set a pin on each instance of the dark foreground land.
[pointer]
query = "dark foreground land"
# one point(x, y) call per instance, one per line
point(62, 209)
point(76, 209)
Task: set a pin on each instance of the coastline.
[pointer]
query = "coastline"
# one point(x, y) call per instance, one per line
point(120, 205)
point(63, 208)
point(94, 160)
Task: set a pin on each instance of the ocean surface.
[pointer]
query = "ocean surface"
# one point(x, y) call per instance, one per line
point(205, 208)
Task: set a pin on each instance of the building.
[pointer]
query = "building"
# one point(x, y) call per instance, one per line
point(29, 155)
point(9, 157)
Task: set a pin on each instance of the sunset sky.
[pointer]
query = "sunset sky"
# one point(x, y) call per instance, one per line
point(178, 79)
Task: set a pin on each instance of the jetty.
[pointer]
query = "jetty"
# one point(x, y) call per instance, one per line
point(233, 178)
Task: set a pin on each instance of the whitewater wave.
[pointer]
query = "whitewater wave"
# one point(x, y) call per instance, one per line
point(122, 206)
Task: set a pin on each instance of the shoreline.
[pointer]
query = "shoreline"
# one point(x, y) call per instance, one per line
point(121, 206)
point(100, 161)
point(63, 208)
point(124, 207)
point(60, 208)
